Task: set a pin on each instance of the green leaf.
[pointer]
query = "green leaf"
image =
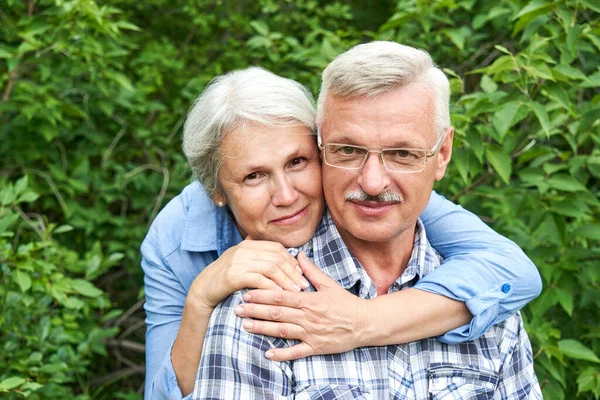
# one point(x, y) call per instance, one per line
point(11, 383)
point(7, 220)
point(487, 84)
point(501, 162)
point(260, 27)
point(21, 185)
point(542, 116)
point(457, 36)
point(85, 288)
point(62, 229)
point(73, 303)
point(565, 298)
point(22, 279)
point(574, 349)
point(504, 117)
point(534, 7)
point(590, 231)
point(569, 72)
point(566, 183)
point(28, 197)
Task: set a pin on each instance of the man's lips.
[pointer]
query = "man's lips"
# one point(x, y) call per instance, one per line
point(373, 208)
point(291, 218)
point(373, 204)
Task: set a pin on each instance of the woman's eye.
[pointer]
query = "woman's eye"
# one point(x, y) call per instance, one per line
point(297, 161)
point(251, 176)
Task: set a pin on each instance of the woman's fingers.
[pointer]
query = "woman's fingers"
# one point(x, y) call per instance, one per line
point(301, 350)
point(277, 298)
point(270, 313)
point(314, 274)
point(280, 266)
point(282, 330)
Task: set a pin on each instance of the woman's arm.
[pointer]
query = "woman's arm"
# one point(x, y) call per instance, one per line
point(181, 319)
point(487, 271)
point(484, 279)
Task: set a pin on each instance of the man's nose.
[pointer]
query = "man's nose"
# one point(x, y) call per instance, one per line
point(374, 178)
point(284, 191)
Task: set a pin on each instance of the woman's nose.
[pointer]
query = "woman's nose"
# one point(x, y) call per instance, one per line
point(285, 192)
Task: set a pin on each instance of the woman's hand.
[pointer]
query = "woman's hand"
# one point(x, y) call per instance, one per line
point(250, 264)
point(327, 321)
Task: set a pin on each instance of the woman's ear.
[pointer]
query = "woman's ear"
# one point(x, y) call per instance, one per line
point(219, 199)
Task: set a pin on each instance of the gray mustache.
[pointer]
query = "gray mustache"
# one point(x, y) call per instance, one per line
point(383, 197)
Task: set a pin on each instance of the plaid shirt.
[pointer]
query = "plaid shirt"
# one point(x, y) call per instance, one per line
point(498, 365)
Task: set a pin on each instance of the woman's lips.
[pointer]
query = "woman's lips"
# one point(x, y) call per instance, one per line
point(291, 218)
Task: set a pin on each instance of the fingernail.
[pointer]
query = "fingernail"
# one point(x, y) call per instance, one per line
point(239, 310)
point(269, 354)
point(247, 324)
point(299, 270)
point(304, 283)
point(246, 297)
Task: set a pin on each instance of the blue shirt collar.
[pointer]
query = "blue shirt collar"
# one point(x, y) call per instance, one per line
point(207, 227)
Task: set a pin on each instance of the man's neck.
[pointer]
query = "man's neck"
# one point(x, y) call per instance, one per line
point(384, 262)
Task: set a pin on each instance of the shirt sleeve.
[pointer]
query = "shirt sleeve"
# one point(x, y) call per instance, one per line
point(517, 376)
point(233, 363)
point(165, 298)
point(488, 272)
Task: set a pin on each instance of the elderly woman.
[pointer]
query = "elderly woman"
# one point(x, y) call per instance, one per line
point(250, 141)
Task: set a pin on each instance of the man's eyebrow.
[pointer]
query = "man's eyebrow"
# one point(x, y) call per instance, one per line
point(401, 143)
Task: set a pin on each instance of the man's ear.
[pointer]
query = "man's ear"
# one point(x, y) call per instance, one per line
point(219, 199)
point(444, 154)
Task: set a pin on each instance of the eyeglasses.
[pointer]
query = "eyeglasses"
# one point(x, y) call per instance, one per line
point(402, 160)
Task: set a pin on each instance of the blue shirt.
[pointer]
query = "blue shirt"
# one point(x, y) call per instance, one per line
point(488, 272)
point(498, 364)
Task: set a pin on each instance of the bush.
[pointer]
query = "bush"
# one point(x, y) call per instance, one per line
point(93, 96)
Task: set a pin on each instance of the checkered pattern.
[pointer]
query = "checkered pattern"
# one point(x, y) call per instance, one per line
point(499, 365)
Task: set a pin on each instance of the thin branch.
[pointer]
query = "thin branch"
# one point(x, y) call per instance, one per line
point(63, 154)
point(39, 230)
point(53, 187)
point(118, 375)
point(161, 195)
point(30, 8)
point(12, 78)
point(113, 144)
point(132, 328)
point(175, 129)
point(138, 304)
point(472, 186)
point(127, 344)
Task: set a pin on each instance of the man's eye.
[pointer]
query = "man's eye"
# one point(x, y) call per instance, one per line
point(401, 153)
point(347, 150)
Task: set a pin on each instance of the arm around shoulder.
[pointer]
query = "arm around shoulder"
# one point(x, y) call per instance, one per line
point(487, 271)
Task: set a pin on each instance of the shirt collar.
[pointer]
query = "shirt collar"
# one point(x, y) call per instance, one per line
point(333, 257)
point(207, 227)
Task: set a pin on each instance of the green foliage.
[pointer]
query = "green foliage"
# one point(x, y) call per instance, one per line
point(93, 96)
point(49, 329)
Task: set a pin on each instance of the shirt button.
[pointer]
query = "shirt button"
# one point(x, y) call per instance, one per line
point(505, 288)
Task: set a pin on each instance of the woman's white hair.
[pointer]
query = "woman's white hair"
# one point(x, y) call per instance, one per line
point(378, 67)
point(236, 99)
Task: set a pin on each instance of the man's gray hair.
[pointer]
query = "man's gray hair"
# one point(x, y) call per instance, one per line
point(235, 100)
point(377, 67)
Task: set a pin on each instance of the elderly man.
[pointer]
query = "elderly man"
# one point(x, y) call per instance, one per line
point(385, 137)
